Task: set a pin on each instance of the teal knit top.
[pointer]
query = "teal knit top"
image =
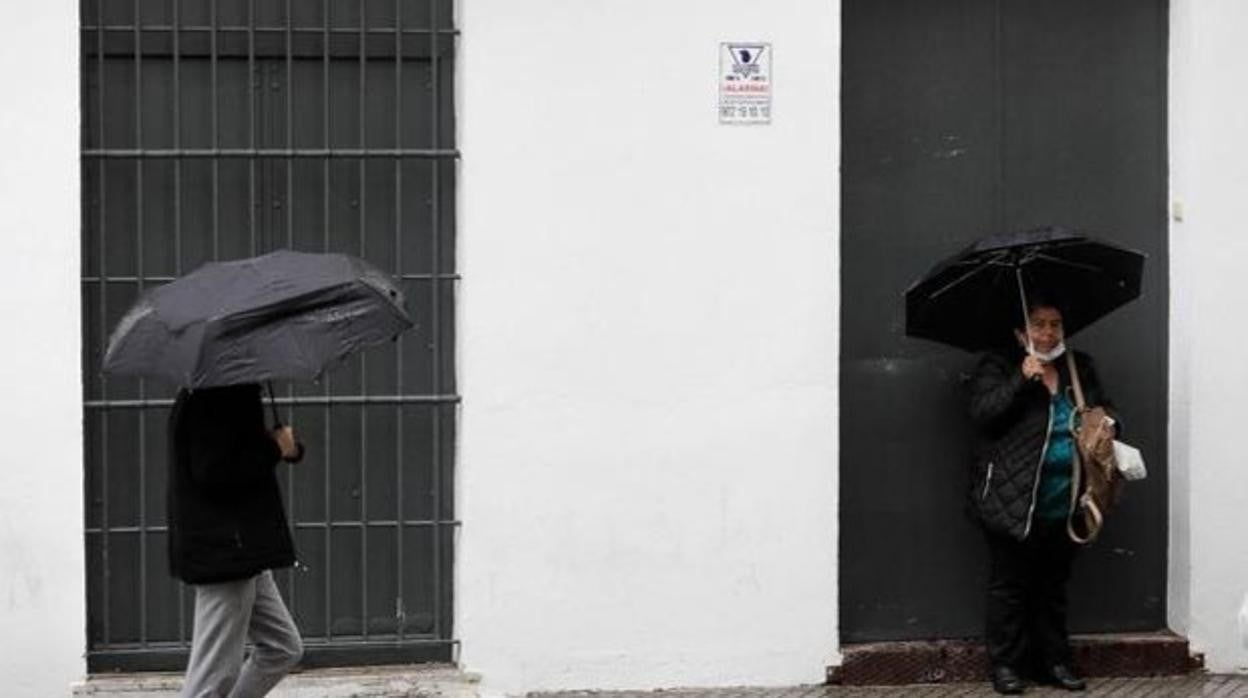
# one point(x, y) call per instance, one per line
point(1053, 497)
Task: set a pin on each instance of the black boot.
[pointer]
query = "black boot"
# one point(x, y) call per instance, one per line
point(1005, 681)
point(1062, 676)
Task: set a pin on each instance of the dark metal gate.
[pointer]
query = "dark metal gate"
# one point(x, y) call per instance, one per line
point(962, 118)
point(216, 129)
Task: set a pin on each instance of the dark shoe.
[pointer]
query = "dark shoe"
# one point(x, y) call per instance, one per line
point(1005, 681)
point(1061, 675)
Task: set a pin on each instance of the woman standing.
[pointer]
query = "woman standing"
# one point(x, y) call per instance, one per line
point(1023, 408)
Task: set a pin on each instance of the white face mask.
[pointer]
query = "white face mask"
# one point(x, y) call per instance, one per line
point(1051, 354)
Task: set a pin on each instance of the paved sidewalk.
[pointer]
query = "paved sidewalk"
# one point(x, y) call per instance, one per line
point(424, 680)
point(447, 682)
point(1178, 687)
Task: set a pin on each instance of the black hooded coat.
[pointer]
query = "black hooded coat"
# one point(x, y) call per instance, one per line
point(226, 517)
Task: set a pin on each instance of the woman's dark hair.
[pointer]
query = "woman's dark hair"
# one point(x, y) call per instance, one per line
point(1039, 299)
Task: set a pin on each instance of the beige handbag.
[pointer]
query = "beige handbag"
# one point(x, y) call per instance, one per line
point(1094, 466)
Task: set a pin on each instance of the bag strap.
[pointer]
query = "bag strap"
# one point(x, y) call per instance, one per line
point(1085, 500)
point(1074, 380)
point(1094, 526)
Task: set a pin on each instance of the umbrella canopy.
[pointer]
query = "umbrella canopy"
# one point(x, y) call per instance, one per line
point(283, 315)
point(973, 299)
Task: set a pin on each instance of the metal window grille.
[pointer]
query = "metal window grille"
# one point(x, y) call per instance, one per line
point(217, 129)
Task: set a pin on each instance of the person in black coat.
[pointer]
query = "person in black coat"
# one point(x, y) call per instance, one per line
point(1023, 408)
point(227, 531)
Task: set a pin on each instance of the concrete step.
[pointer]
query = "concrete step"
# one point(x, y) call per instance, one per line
point(943, 661)
point(1197, 685)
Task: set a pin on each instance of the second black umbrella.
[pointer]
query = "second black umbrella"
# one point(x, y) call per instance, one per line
point(283, 315)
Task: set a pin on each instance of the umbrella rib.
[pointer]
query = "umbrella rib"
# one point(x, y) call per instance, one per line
point(1068, 263)
point(981, 266)
point(247, 319)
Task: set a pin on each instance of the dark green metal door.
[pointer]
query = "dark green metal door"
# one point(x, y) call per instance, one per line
point(963, 118)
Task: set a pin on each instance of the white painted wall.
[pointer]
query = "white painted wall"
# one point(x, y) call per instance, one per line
point(648, 345)
point(42, 588)
point(649, 342)
point(1209, 326)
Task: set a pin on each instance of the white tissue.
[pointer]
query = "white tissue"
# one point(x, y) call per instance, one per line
point(1130, 462)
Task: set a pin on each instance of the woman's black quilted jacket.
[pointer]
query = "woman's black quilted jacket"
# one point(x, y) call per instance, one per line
point(1011, 416)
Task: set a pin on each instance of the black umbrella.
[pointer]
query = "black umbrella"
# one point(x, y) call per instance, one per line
point(974, 298)
point(283, 315)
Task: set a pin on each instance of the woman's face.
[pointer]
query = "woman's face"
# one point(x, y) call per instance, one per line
point(1044, 326)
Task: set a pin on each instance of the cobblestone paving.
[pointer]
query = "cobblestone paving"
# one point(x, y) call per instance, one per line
point(1178, 687)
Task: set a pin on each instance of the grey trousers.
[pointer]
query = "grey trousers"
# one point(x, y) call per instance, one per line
point(227, 615)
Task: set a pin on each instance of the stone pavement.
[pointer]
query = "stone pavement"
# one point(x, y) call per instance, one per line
point(1163, 687)
point(424, 680)
point(447, 682)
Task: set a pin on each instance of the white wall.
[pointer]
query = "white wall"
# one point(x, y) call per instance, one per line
point(648, 331)
point(42, 592)
point(649, 338)
point(1209, 326)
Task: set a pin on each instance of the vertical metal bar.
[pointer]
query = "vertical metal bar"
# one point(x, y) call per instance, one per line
point(400, 611)
point(998, 203)
point(138, 228)
point(363, 365)
point(177, 141)
point(290, 127)
point(436, 323)
point(177, 225)
point(329, 558)
point(289, 209)
point(103, 328)
point(216, 162)
point(254, 85)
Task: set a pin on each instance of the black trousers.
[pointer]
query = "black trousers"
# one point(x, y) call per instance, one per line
point(1026, 619)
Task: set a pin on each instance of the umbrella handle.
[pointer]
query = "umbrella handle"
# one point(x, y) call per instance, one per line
point(277, 420)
